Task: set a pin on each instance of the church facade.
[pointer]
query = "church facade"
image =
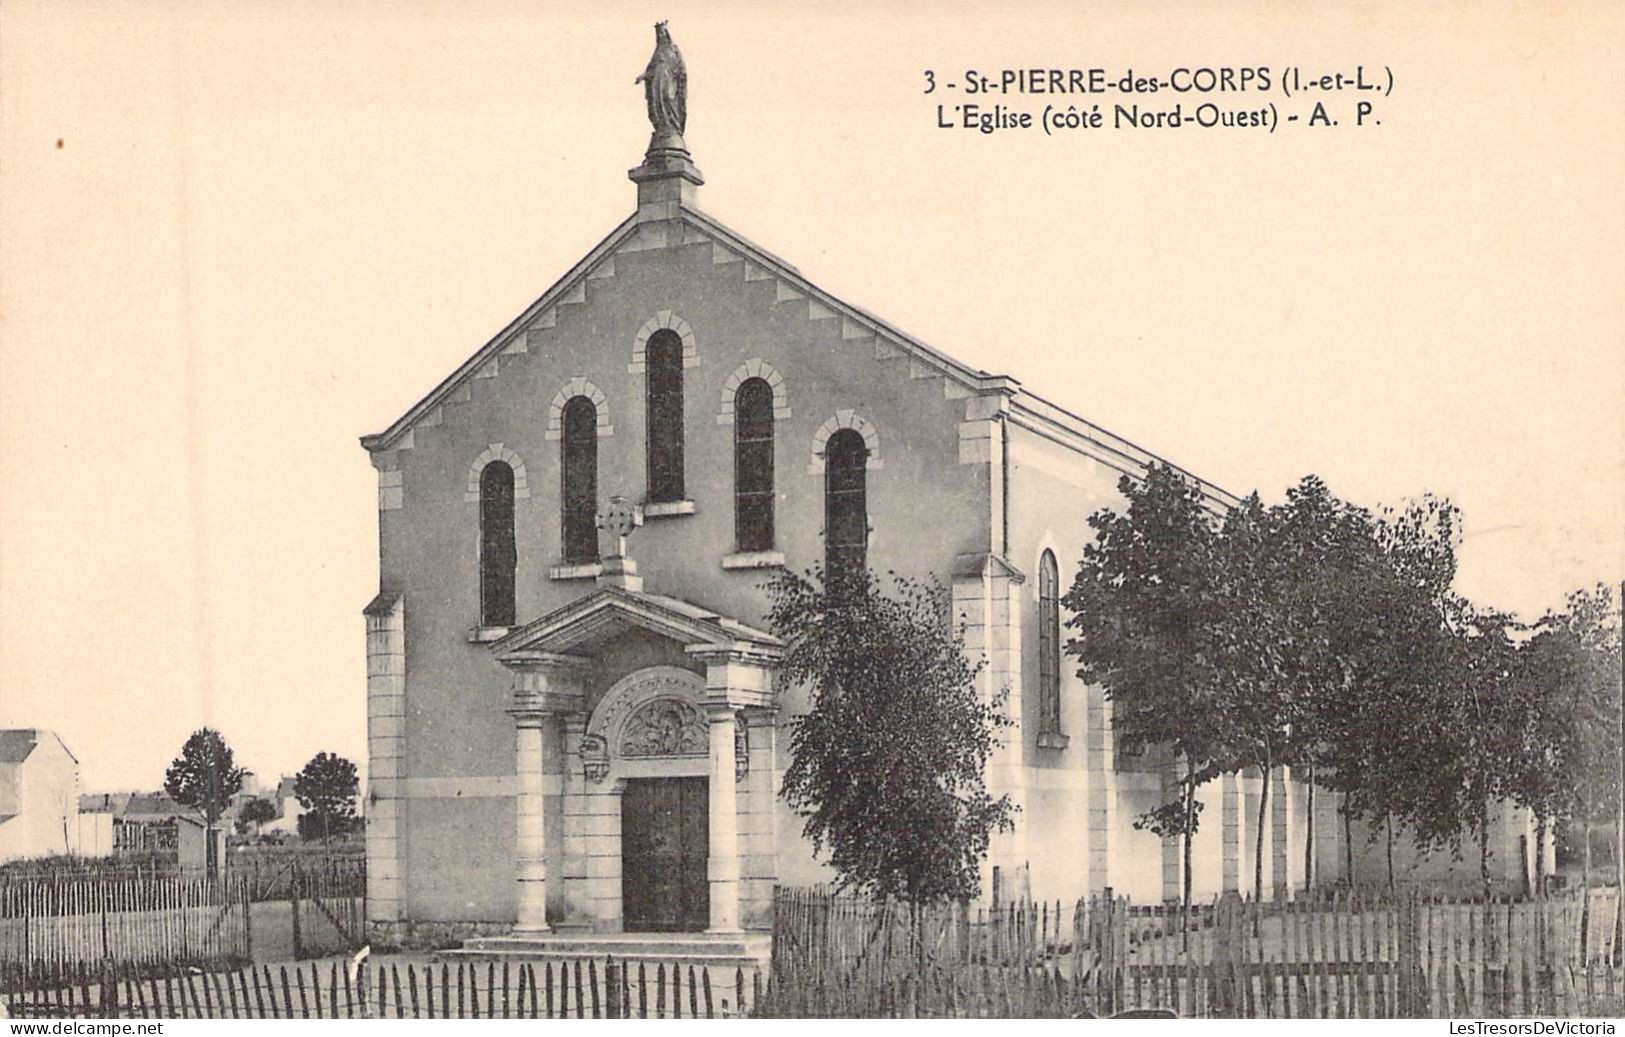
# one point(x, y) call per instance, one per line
point(581, 728)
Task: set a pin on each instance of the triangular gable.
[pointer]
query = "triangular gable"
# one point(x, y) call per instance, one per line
point(696, 228)
point(693, 227)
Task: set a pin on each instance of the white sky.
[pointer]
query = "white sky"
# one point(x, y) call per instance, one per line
point(269, 228)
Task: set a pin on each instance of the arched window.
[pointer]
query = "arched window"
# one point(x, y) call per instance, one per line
point(497, 554)
point(1049, 653)
point(664, 359)
point(753, 466)
point(579, 463)
point(846, 505)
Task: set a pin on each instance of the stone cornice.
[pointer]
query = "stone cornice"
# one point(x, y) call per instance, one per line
point(747, 652)
point(550, 662)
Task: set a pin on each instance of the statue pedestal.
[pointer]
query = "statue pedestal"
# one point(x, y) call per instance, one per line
point(668, 174)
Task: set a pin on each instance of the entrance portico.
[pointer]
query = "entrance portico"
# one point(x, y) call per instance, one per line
point(640, 701)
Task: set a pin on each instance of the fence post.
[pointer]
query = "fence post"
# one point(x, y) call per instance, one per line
point(246, 894)
point(1227, 926)
point(293, 902)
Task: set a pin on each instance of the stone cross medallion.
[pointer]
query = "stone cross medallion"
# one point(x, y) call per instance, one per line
point(618, 518)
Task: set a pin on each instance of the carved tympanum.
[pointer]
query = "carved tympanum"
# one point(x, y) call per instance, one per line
point(665, 727)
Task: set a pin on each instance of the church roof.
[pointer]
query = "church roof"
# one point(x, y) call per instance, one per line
point(638, 233)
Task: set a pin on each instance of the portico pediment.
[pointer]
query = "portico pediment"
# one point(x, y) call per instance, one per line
point(580, 628)
point(550, 656)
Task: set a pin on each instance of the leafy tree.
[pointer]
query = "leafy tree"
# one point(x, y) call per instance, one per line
point(326, 788)
point(257, 812)
point(1327, 559)
point(1550, 748)
point(1254, 647)
point(1145, 609)
point(1479, 699)
point(1590, 624)
point(1384, 739)
point(887, 766)
point(1569, 767)
point(205, 777)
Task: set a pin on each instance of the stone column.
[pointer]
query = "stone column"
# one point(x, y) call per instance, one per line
point(569, 872)
point(1284, 848)
point(737, 676)
point(722, 867)
point(1234, 826)
point(545, 685)
point(530, 850)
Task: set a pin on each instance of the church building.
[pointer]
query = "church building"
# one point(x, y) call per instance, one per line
point(575, 720)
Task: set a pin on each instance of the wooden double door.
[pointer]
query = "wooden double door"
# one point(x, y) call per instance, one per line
point(665, 837)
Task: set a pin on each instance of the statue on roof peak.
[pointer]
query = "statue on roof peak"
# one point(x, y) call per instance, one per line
point(665, 92)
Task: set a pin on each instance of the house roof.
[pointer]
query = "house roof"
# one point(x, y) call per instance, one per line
point(17, 744)
point(149, 804)
point(103, 802)
point(1028, 409)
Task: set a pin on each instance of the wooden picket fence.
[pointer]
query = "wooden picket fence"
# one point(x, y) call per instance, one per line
point(64, 923)
point(148, 918)
point(346, 989)
point(1340, 955)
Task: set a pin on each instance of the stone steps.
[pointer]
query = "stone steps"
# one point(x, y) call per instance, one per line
point(684, 948)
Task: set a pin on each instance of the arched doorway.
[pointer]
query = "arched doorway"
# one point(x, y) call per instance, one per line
point(651, 741)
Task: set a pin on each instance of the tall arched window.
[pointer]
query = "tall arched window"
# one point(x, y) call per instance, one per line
point(753, 466)
point(1049, 653)
point(846, 505)
point(664, 360)
point(579, 463)
point(497, 554)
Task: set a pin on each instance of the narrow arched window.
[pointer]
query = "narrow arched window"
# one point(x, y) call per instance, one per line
point(753, 466)
point(664, 359)
point(579, 495)
point(846, 506)
point(497, 554)
point(1049, 648)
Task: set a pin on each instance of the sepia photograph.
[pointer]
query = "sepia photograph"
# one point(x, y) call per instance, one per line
point(538, 511)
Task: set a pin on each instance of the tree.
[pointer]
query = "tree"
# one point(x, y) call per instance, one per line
point(1550, 747)
point(1327, 560)
point(326, 788)
point(1144, 607)
point(886, 768)
point(1254, 648)
point(1569, 765)
point(205, 777)
point(257, 812)
point(1481, 704)
point(1386, 740)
